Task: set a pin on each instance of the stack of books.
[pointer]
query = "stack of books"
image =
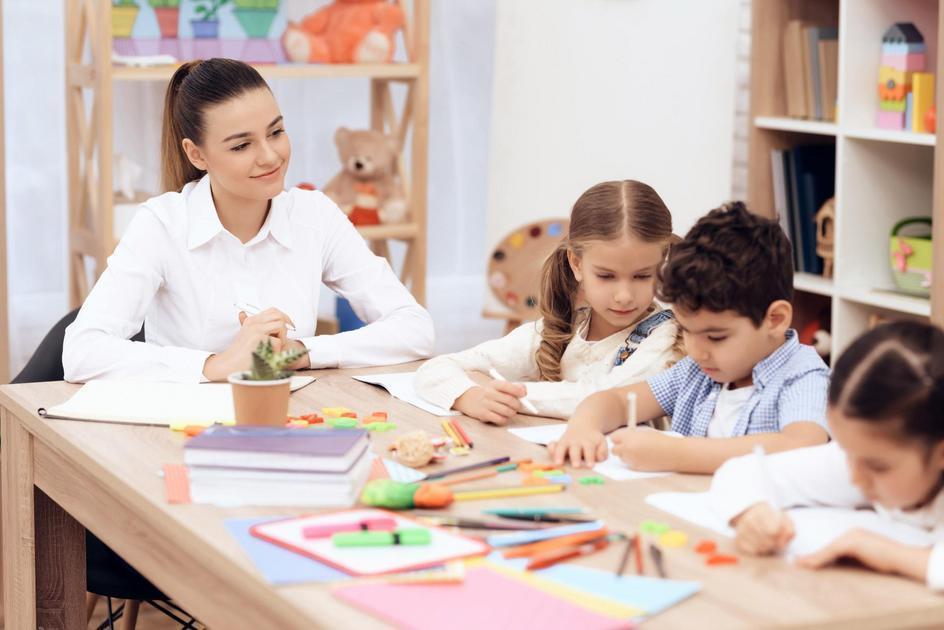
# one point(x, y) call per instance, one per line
point(242, 465)
point(810, 67)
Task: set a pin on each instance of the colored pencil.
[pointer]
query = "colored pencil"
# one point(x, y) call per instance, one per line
point(452, 471)
point(534, 511)
point(550, 558)
point(637, 548)
point(542, 546)
point(625, 559)
point(498, 493)
point(451, 434)
point(472, 476)
point(473, 523)
point(656, 554)
point(461, 432)
point(545, 518)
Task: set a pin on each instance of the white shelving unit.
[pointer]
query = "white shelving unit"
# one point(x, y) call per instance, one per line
point(882, 176)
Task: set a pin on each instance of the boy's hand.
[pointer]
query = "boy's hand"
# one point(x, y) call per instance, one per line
point(496, 402)
point(585, 447)
point(763, 530)
point(645, 450)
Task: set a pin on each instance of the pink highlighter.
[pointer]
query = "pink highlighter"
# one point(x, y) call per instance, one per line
point(365, 525)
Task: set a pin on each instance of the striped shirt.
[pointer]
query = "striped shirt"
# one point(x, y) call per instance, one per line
point(790, 385)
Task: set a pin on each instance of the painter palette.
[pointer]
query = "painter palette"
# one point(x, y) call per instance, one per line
point(514, 269)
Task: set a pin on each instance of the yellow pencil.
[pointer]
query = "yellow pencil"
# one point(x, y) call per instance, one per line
point(497, 493)
point(456, 439)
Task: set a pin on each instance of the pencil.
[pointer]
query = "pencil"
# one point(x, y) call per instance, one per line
point(550, 558)
point(625, 559)
point(472, 476)
point(461, 432)
point(451, 433)
point(637, 547)
point(656, 554)
point(452, 471)
point(527, 404)
point(497, 493)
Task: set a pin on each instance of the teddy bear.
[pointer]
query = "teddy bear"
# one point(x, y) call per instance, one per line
point(345, 31)
point(368, 188)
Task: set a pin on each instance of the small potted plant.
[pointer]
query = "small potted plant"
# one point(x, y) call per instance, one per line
point(207, 26)
point(260, 396)
point(123, 15)
point(168, 16)
point(256, 16)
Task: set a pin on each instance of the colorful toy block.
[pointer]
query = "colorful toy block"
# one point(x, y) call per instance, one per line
point(890, 120)
point(922, 92)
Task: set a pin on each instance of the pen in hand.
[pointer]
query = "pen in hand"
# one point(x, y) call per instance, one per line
point(251, 310)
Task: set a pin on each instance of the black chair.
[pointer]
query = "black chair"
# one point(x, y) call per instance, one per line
point(107, 573)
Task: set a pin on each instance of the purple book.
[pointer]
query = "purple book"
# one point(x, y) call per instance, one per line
point(333, 450)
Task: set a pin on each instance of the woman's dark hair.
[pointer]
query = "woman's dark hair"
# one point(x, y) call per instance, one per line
point(195, 86)
point(894, 372)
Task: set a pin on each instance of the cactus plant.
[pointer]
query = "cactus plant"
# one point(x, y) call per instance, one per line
point(268, 365)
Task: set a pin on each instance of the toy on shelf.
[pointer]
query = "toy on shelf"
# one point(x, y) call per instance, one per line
point(905, 90)
point(514, 269)
point(345, 31)
point(368, 188)
point(910, 257)
point(825, 231)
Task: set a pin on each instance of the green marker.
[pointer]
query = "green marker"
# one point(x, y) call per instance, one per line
point(412, 536)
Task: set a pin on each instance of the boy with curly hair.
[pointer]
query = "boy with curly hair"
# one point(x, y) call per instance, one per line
point(747, 380)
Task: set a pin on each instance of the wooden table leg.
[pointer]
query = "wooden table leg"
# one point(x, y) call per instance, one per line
point(60, 566)
point(19, 587)
point(43, 547)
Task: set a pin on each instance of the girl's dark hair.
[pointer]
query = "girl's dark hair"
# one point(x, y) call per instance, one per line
point(603, 213)
point(195, 86)
point(894, 372)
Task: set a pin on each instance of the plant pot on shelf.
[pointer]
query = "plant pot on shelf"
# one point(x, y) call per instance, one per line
point(260, 402)
point(255, 22)
point(168, 19)
point(205, 29)
point(122, 19)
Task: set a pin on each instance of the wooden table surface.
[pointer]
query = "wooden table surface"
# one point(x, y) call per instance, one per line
point(106, 477)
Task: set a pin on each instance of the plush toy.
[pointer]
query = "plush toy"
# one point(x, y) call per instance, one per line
point(368, 188)
point(345, 31)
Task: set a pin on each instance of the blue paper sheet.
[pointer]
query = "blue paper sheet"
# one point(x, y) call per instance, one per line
point(278, 565)
point(652, 595)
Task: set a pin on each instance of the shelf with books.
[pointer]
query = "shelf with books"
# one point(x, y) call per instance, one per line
point(798, 125)
point(813, 283)
point(889, 300)
point(890, 135)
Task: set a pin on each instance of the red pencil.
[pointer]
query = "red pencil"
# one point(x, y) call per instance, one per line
point(637, 544)
point(461, 432)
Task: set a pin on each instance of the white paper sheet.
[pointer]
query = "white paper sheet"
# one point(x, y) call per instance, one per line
point(613, 468)
point(816, 527)
point(400, 386)
point(159, 404)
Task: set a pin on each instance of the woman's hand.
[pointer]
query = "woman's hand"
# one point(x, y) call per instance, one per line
point(583, 445)
point(496, 402)
point(269, 324)
point(763, 530)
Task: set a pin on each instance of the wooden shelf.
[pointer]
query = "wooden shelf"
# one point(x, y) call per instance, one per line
point(816, 127)
point(392, 71)
point(396, 231)
point(890, 300)
point(887, 135)
point(813, 283)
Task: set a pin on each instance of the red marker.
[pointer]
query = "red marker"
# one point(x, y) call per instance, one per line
point(366, 525)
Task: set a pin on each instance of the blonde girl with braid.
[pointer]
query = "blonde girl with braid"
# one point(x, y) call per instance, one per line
point(601, 327)
point(886, 416)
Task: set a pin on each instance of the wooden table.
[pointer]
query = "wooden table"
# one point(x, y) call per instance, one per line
point(60, 476)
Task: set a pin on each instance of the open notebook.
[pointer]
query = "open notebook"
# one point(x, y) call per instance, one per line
point(156, 404)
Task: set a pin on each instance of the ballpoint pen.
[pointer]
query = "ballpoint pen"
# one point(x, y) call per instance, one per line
point(249, 309)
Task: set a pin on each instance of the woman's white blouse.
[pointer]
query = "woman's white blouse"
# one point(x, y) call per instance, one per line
point(180, 273)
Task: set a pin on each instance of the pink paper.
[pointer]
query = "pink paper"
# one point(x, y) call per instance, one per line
point(486, 599)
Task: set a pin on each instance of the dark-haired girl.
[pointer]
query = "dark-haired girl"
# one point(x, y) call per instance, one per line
point(226, 257)
point(886, 415)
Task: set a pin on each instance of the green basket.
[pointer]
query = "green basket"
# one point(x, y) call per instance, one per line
point(910, 256)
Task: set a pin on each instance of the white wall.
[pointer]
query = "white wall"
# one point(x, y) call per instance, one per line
point(590, 90)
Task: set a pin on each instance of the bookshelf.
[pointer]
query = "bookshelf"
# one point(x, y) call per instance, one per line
point(90, 76)
point(882, 176)
point(4, 296)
